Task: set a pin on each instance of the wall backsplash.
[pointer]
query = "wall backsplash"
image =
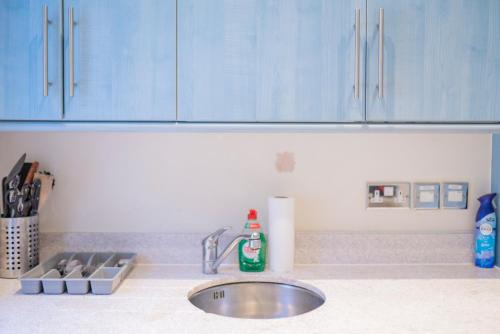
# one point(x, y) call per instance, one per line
point(197, 182)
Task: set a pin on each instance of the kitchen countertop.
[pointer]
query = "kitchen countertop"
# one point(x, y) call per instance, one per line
point(359, 299)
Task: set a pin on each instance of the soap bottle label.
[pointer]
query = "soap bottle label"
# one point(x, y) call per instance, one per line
point(249, 253)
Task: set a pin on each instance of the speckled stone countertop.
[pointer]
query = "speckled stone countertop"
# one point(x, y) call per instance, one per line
point(444, 299)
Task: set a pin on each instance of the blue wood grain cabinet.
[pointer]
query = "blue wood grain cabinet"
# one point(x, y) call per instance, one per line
point(124, 60)
point(441, 61)
point(25, 92)
point(270, 61)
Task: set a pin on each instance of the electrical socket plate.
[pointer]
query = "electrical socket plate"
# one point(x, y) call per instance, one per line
point(455, 195)
point(426, 195)
point(388, 195)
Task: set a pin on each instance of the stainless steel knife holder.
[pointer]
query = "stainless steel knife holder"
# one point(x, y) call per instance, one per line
point(19, 245)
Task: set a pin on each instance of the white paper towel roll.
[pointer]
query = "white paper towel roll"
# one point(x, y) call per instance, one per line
point(281, 244)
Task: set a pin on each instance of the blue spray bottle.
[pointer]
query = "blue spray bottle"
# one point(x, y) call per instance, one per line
point(486, 224)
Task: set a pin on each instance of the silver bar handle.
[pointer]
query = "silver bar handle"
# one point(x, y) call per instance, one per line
point(213, 237)
point(71, 25)
point(381, 54)
point(45, 13)
point(357, 52)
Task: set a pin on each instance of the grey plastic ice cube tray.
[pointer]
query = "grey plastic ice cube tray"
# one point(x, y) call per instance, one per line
point(108, 271)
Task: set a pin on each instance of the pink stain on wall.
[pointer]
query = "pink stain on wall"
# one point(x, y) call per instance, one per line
point(285, 162)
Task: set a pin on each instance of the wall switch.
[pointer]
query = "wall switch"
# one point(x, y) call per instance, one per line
point(388, 195)
point(426, 195)
point(455, 195)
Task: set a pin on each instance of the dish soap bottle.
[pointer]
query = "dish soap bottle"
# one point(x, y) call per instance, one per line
point(486, 224)
point(252, 260)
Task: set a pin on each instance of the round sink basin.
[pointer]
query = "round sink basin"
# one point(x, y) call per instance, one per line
point(257, 300)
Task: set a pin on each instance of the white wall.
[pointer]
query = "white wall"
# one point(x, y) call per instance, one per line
point(196, 182)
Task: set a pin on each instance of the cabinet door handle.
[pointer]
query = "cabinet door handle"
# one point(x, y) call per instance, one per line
point(45, 13)
point(357, 52)
point(381, 53)
point(71, 25)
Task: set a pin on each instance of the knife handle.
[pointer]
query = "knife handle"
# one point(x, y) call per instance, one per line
point(31, 173)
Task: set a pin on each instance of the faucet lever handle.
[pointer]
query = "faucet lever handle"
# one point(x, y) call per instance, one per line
point(214, 237)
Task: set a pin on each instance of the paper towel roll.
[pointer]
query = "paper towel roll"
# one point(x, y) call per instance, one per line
point(281, 244)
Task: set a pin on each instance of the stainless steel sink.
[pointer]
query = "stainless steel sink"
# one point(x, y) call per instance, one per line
point(257, 300)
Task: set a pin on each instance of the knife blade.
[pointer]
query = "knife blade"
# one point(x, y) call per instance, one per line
point(35, 196)
point(5, 207)
point(16, 169)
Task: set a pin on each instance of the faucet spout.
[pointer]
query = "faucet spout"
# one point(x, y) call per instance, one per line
point(229, 248)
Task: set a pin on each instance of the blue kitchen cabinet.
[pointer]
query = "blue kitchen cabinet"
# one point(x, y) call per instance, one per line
point(271, 61)
point(30, 60)
point(440, 61)
point(120, 60)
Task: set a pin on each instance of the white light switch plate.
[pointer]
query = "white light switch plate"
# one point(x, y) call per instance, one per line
point(426, 195)
point(455, 195)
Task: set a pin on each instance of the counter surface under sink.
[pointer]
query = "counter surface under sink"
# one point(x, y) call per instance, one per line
point(359, 299)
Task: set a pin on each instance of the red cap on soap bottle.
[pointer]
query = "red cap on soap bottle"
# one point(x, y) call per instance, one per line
point(252, 220)
point(252, 214)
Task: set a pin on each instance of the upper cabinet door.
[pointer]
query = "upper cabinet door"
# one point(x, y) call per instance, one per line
point(440, 60)
point(271, 61)
point(30, 60)
point(119, 60)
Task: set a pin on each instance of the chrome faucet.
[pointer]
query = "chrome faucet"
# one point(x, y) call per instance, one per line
point(210, 246)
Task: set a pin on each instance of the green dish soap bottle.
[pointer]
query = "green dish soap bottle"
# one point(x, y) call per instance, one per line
point(252, 260)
